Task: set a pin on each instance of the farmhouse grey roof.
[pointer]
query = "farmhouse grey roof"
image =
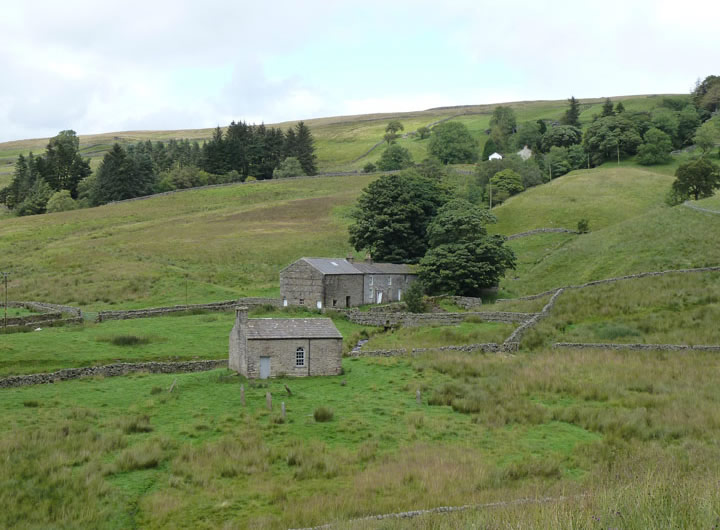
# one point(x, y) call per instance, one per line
point(291, 328)
point(343, 266)
point(332, 265)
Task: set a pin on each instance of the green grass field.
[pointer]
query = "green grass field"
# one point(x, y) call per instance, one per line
point(178, 337)
point(671, 309)
point(627, 438)
point(121, 452)
point(218, 243)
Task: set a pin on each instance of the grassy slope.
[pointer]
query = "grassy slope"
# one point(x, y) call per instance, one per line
point(340, 140)
point(632, 230)
point(226, 241)
point(604, 197)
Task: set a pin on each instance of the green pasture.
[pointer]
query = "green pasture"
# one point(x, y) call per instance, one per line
point(435, 336)
point(490, 428)
point(663, 238)
point(181, 337)
point(602, 196)
point(669, 309)
point(199, 246)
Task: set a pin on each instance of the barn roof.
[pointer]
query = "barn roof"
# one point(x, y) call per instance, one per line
point(343, 266)
point(292, 328)
point(383, 268)
point(332, 265)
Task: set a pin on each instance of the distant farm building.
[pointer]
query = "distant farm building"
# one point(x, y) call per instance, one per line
point(495, 156)
point(525, 153)
point(342, 283)
point(271, 347)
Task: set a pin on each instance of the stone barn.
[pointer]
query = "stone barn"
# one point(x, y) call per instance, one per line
point(342, 283)
point(272, 347)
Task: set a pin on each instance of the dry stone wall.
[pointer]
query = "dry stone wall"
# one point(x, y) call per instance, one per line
point(111, 370)
point(163, 311)
point(612, 280)
point(512, 343)
point(29, 320)
point(44, 307)
point(423, 319)
point(541, 231)
point(692, 206)
point(489, 347)
point(635, 347)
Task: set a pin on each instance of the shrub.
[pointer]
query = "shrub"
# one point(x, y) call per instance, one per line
point(129, 340)
point(394, 157)
point(583, 226)
point(414, 298)
point(135, 425)
point(323, 414)
point(369, 168)
point(290, 167)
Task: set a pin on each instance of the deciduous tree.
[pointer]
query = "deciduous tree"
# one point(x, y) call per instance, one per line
point(463, 259)
point(394, 157)
point(392, 215)
point(452, 143)
point(697, 179)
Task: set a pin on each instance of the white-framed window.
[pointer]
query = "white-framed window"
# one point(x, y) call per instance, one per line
point(371, 281)
point(300, 356)
point(301, 301)
point(390, 281)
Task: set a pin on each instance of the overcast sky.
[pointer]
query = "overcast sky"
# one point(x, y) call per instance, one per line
point(100, 67)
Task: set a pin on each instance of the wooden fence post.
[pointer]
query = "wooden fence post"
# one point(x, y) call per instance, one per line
point(242, 395)
point(268, 399)
point(418, 397)
point(282, 409)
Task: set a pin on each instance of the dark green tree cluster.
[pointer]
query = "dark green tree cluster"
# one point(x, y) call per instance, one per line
point(406, 217)
point(462, 258)
point(256, 150)
point(706, 95)
point(394, 157)
point(452, 143)
point(149, 167)
point(36, 178)
point(529, 173)
point(392, 216)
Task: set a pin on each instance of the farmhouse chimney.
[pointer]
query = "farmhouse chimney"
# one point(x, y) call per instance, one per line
point(241, 315)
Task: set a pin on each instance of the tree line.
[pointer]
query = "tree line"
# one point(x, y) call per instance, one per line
point(60, 179)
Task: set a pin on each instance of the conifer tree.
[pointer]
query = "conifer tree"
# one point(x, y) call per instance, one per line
point(305, 148)
point(619, 108)
point(572, 114)
point(607, 109)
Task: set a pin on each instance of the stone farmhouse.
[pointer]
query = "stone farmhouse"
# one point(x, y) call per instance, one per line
point(271, 347)
point(342, 283)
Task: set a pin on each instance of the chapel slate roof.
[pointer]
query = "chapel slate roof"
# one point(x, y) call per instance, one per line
point(343, 266)
point(291, 328)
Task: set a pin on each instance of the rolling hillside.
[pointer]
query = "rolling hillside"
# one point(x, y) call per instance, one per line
point(342, 142)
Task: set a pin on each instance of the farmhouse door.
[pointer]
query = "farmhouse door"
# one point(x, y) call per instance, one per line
point(264, 367)
point(379, 297)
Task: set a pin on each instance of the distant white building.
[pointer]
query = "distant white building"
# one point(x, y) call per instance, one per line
point(495, 156)
point(525, 152)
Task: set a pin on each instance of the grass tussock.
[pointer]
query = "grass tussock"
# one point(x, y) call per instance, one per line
point(323, 414)
point(135, 424)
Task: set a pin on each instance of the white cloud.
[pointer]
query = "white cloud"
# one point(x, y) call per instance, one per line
point(100, 67)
